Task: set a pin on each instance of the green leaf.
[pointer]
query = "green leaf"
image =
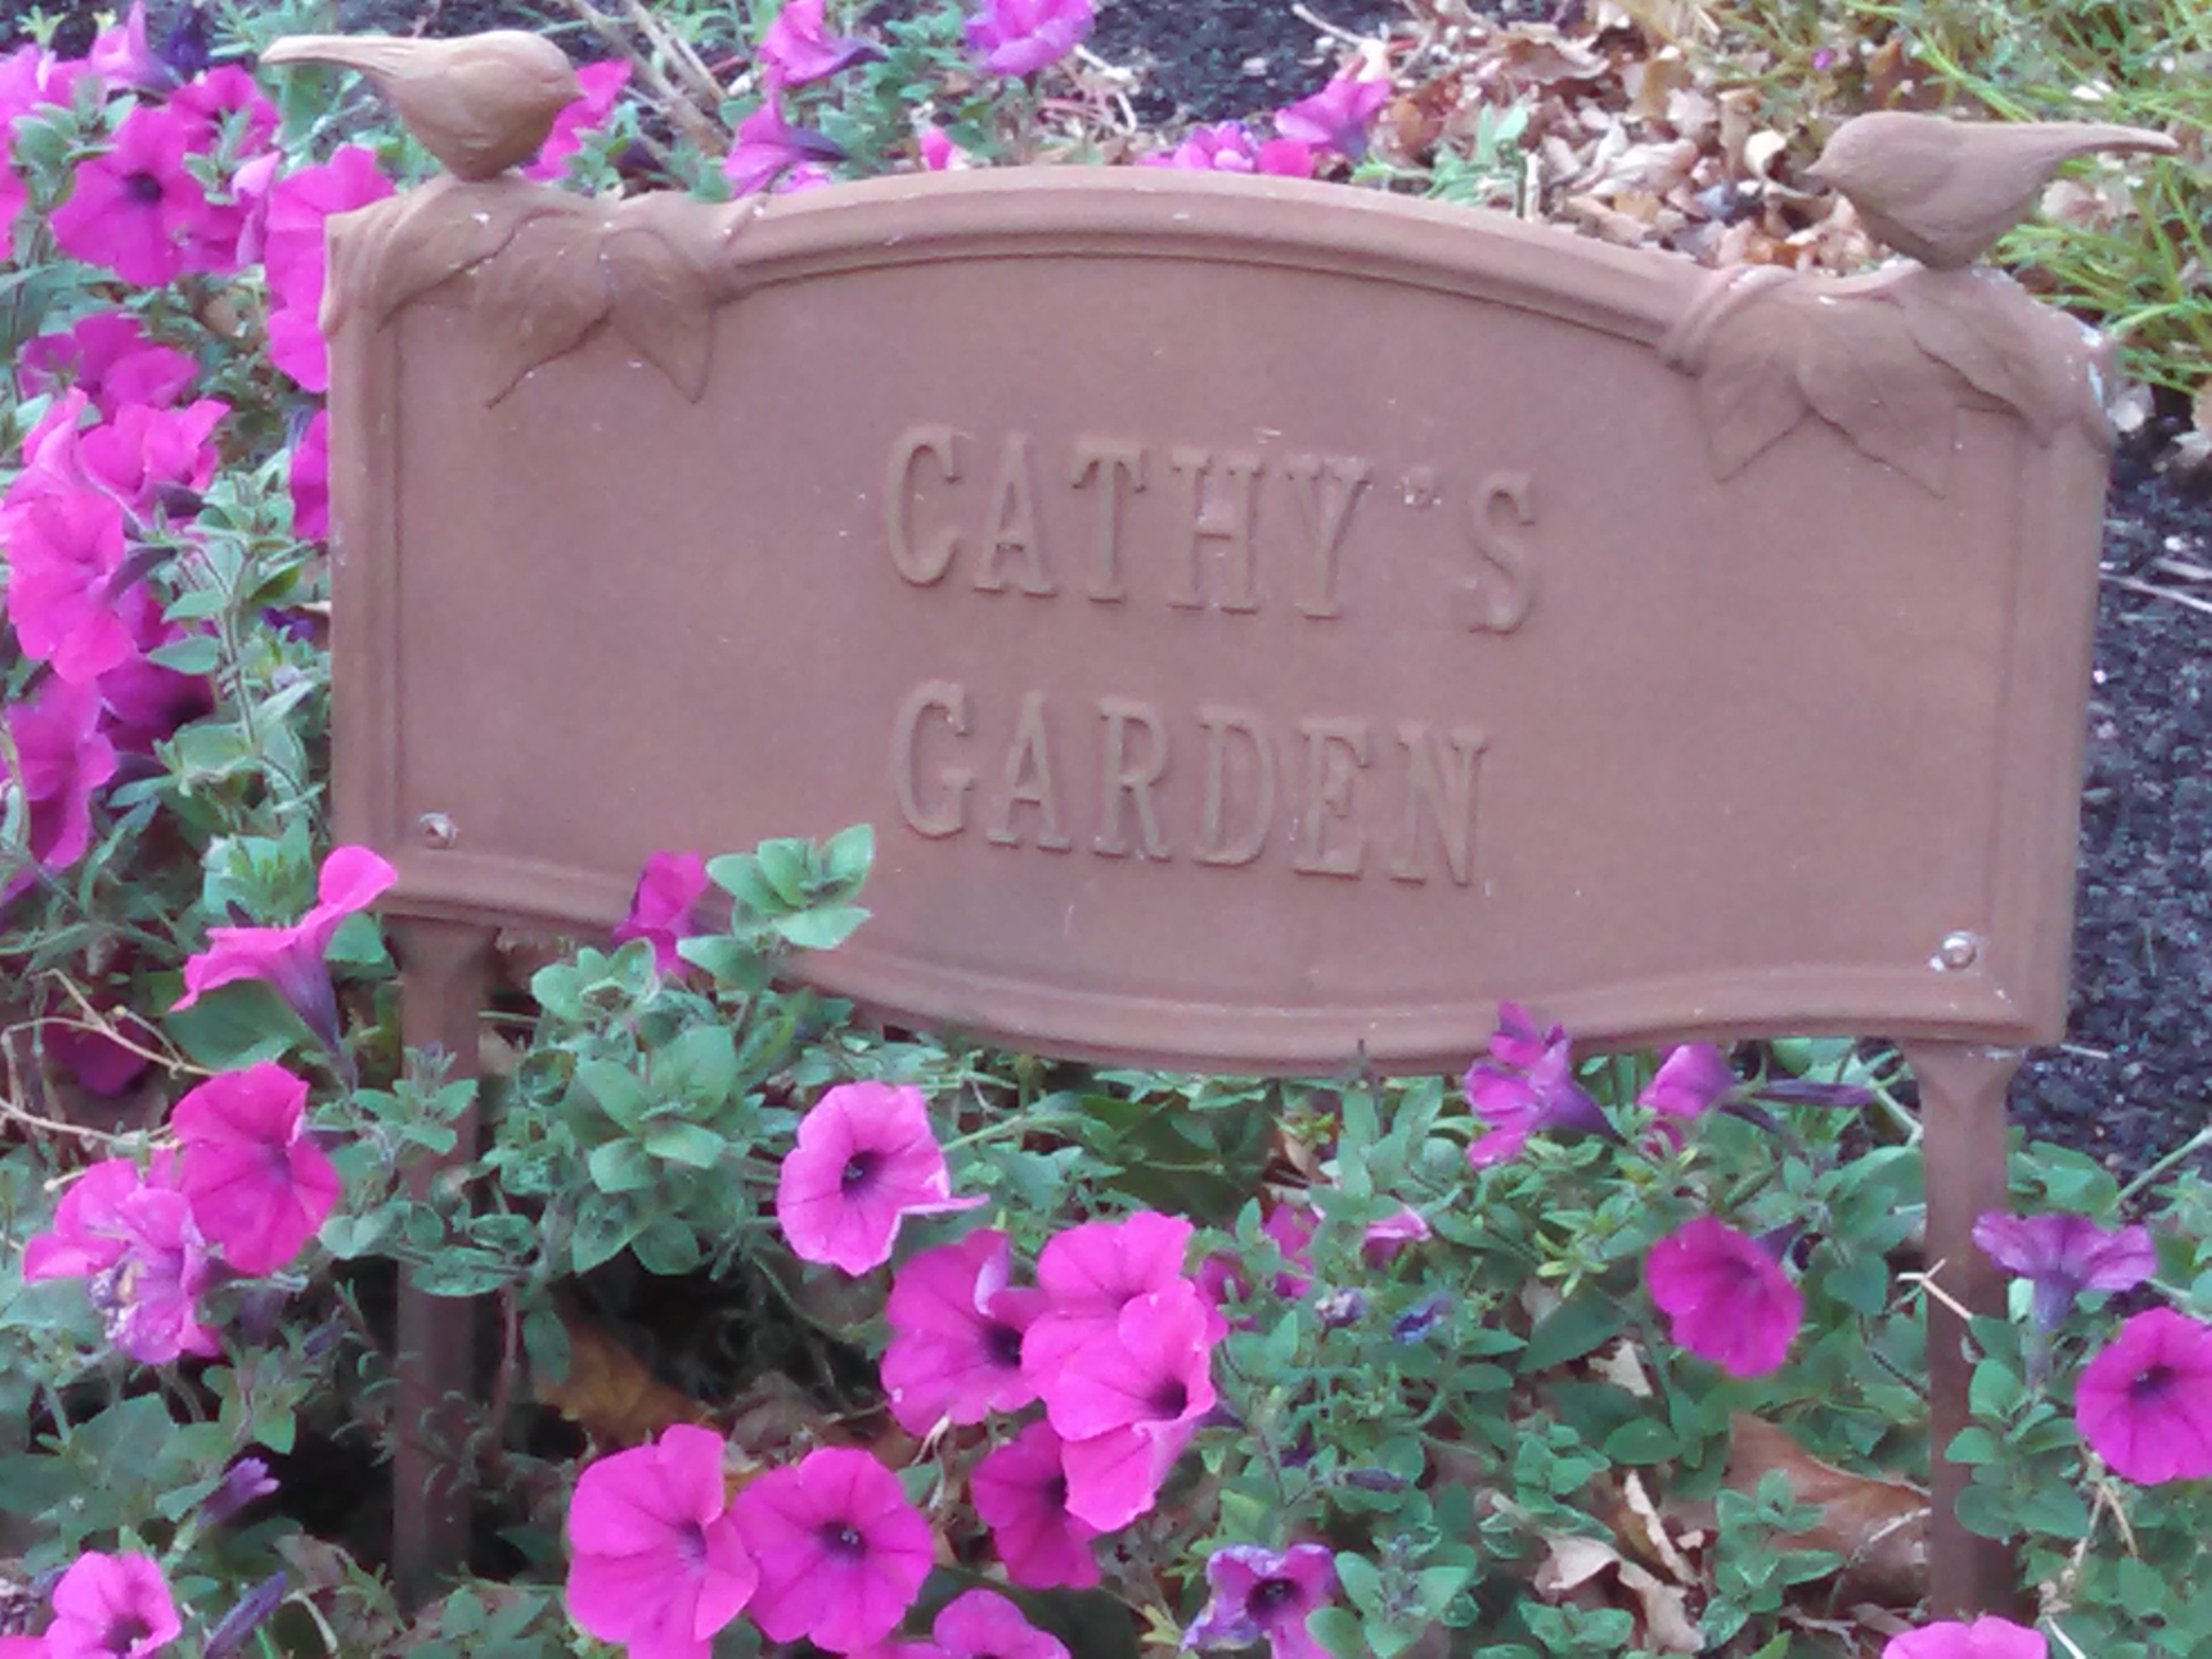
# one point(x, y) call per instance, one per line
point(460, 1272)
point(848, 855)
point(1362, 1581)
point(685, 1142)
point(823, 929)
point(616, 1089)
point(2054, 1510)
point(739, 874)
point(546, 1339)
point(1643, 1440)
point(1338, 1629)
point(1437, 1585)
point(622, 1166)
point(1982, 1511)
point(237, 1025)
point(1996, 1389)
point(668, 1247)
point(701, 1065)
point(1974, 1445)
point(1571, 1330)
point(1861, 1285)
point(196, 653)
point(783, 866)
point(605, 1226)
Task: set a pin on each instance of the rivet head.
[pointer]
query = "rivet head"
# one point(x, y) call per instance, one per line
point(436, 830)
point(1957, 952)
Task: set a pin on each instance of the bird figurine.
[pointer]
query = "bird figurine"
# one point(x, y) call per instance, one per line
point(1943, 191)
point(479, 103)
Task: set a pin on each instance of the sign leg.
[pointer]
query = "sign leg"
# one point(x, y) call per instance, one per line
point(1962, 1108)
point(443, 970)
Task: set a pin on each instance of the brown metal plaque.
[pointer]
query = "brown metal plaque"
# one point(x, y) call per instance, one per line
point(1263, 621)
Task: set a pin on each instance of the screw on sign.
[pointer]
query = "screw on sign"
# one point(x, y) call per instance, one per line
point(1248, 692)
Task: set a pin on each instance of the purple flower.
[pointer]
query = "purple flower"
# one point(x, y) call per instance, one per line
point(938, 152)
point(243, 1483)
point(1226, 147)
point(797, 50)
point(1126, 1405)
point(981, 1624)
point(841, 1550)
point(1691, 1079)
point(1338, 116)
point(2144, 1404)
point(291, 958)
point(956, 1347)
point(1987, 1637)
point(66, 549)
point(669, 888)
point(310, 480)
point(134, 208)
point(1726, 1299)
point(1018, 37)
point(108, 357)
point(259, 1187)
point(245, 1615)
point(770, 153)
point(123, 57)
point(61, 760)
point(865, 1158)
point(130, 1234)
point(1527, 1085)
point(2063, 1255)
point(1265, 1594)
point(1020, 1491)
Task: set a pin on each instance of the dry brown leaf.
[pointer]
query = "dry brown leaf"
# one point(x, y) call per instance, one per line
point(1653, 85)
point(1574, 1564)
point(1538, 55)
point(1878, 1526)
point(608, 1393)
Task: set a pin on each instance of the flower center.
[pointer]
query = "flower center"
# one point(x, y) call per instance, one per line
point(1170, 1398)
point(843, 1538)
point(859, 1170)
point(1269, 1594)
point(1003, 1344)
point(691, 1544)
point(128, 1630)
point(1055, 1492)
point(2152, 1383)
point(144, 188)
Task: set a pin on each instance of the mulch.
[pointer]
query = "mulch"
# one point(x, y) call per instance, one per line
point(2135, 1075)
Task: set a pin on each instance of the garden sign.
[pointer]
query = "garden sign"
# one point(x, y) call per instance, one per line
point(1266, 623)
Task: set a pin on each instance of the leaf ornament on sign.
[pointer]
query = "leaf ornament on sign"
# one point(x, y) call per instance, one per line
point(1887, 360)
point(547, 269)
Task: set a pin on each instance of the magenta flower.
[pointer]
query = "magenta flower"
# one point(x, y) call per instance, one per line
point(146, 457)
point(1338, 116)
point(108, 357)
point(310, 480)
point(842, 1552)
point(129, 1235)
point(1089, 1273)
point(1226, 147)
point(656, 1558)
point(31, 76)
point(61, 760)
point(136, 208)
point(770, 152)
point(14, 197)
point(1689, 1081)
point(112, 1607)
point(259, 1187)
point(291, 958)
point(1528, 1084)
point(1021, 1491)
point(1124, 1407)
point(602, 83)
point(2063, 1255)
point(1725, 1297)
point(226, 97)
point(100, 1062)
point(1263, 1594)
point(292, 254)
point(247, 1482)
point(938, 152)
point(956, 1347)
point(980, 1624)
point(864, 1159)
point(2144, 1404)
point(145, 701)
point(1293, 1227)
point(1988, 1638)
point(65, 549)
point(1018, 37)
point(122, 56)
point(668, 889)
point(796, 50)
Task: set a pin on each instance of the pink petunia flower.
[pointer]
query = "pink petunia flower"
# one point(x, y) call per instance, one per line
point(602, 83)
point(656, 1559)
point(770, 154)
point(1988, 1638)
point(226, 96)
point(31, 76)
point(797, 50)
point(2063, 1255)
point(310, 480)
point(108, 356)
point(259, 1186)
point(938, 152)
point(1226, 147)
point(293, 259)
point(135, 208)
point(1338, 116)
point(65, 549)
point(956, 1347)
point(1021, 1491)
point(146, 702)
point(842, 1553)
point(290, 959)
point(864, 1158)
point(668, 889)
point(129, 1233)
point(14, 197)
point(1124, 1407)
point(1384, 1239)
point(1019, 37)
point(112, 1607)
point(1264, 1595)
point(1726, 1299)
point(1089, 1273)
point(2144, 1404)
point(146, 458)
point(61, 760)
point(1527, 1085)
point(981, 1624)
point(122, 56)
point(100, 1062)
point(1689, 1081)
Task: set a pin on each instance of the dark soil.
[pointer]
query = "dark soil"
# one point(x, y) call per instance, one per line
point(2134, 1077)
